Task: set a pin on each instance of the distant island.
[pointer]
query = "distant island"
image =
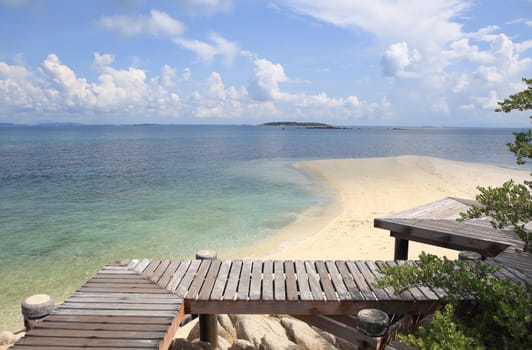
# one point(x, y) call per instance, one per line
point(306, 125)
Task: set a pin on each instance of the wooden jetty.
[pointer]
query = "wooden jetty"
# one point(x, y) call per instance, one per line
point(138, 304)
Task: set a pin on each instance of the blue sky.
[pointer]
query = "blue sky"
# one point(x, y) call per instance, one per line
point(349, 62)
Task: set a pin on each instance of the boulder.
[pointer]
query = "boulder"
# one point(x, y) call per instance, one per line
point(226, 329)
point(303, 335)
point(7, 338)
point(241, 344)
point(183, 344)
point(262, 330)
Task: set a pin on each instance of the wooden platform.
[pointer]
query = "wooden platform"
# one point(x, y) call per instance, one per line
point(138, 304)
point(435, 223)
point(116, 309)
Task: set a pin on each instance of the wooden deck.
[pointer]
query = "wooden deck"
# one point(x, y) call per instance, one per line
point(116, 309)
point(435, 223)
point(138, 304)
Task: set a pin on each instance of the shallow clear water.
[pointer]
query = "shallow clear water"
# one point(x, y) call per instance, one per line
point(74, 198)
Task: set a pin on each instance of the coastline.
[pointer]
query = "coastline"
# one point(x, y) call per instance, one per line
point(367, 188)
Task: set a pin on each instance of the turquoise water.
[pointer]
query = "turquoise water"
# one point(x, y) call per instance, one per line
point(74, 198)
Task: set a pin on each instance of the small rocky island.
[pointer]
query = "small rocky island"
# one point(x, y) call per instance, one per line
point(306, 125)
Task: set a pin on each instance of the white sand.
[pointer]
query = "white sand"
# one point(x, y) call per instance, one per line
point(370, 188)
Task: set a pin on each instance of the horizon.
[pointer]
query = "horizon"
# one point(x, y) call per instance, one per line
point(232, 62)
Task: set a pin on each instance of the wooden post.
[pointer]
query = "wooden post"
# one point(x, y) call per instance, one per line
point(208, 324)
point(35, 308)
point(401, 249)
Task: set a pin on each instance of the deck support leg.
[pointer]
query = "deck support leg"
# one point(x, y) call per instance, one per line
point(208, 324)
point(401, 249)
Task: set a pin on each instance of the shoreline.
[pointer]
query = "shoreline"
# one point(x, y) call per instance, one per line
point(365, 188)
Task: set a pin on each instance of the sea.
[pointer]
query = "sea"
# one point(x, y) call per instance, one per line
point(73, 198)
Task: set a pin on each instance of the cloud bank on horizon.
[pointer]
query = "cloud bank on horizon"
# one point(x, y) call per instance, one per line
point(412, 62)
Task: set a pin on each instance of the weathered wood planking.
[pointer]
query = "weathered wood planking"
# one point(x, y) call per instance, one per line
point(118, 308)
point(435, 223)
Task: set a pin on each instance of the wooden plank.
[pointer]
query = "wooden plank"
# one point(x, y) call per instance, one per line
point(101, 334)
point(325, 281)
point(88, 342)
point(278, 281)
point(122, 290)
point(141, 266)
point(370, 278)
point(373, 268)
point(429, 294)
point(107, 319)
point(256, 281)
point(267, 280)
point(358, 277)
point(232, 283)
point(291, 284)
point(416, 293)
point(169, 273)
point(208, 285)
point(221, 280)
point(338, 283)
point(82, 312)
point(148, 272)
point(406, 295)
point(188, 277)
point(104, 326)
point(120, 280)
point(314, 281)
point(91, 284)
point(245, 279)
point(198, 279)
point(302, 281)
point(159, 271)
point(352, 288)
point(117, 306)
point(178, 275)
point(127, 296)
point(31, 347)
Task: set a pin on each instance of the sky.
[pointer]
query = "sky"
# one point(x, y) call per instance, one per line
point(343, 62)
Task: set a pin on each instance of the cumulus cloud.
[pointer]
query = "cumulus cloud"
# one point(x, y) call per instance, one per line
point(158, 23)
point(131, 93)
point(206, 52)
point(264, 86)
point(54, 87)
point(397, 58)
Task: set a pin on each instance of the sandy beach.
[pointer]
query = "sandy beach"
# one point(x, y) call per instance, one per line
point(368, 188)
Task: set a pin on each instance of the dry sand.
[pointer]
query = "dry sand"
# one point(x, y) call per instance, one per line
point(370, 188)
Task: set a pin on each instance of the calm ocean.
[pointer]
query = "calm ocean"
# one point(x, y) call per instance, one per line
point(74, 198)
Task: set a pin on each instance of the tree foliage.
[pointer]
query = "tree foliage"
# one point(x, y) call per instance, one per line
point(496, 313)
point(484, 312)
point(511, 204)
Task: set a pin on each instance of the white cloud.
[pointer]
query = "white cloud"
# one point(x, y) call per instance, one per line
point(130, 93)
point(418, 22)
point(264, 86)
point(205, 7)
point(397, 58)
point(526, 21)
point(206, 52)
point(158, 23)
